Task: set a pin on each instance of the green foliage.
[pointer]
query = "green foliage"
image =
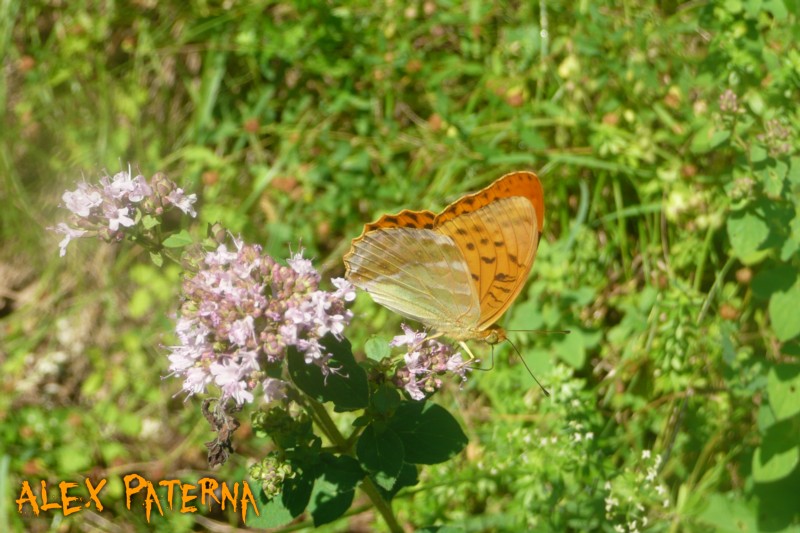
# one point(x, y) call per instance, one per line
point(666, 140)
point(347, 387)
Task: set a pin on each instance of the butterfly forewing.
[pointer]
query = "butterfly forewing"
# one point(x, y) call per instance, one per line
point(499, 244)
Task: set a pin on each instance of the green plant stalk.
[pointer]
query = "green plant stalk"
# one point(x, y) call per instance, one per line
point(623, 241)
point(701, 264)
point(720, 276)
point(332, 432)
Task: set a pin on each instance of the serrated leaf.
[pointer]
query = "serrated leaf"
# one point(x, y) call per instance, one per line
point(783, 312)
point(178, 240)
point(783, 386)
point(347, 387)
point(429, 433)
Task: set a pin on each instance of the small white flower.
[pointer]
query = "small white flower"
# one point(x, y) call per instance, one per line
point(120, 185)
point(119, 218)
point(611, 502)
point(82, 200)
point(645, 454)
point(300, 264)
point(69, 234)
point(409, 338)
point(344, 289)
point(274, 389)
point(182, 201)
point(241, 331)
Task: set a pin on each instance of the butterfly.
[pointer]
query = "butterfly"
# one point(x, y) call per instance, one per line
point(457, 271)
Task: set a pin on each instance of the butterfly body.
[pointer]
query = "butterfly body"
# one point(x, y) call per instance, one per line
point(458, 271)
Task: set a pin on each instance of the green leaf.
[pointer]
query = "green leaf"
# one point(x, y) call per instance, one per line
point(784, 314)
point(777, 8)
point(271, 513)
point(771, 280)
point(334, 489)
point(758, 153)
point(730, 514)
point(377, 348)
point(793, 174)
point(406, 478)
point(347, 387)
point(429, 433)
point(779, 453)
point(178, 240)
point(149, 221)
point(297, 490)
point(792, 243)
point(708, 138)
point(380, 452)
point(747, 231)
point(385, 399)
point(157, 259)
point(571, 348)
point(783, 386)
point(772, 177)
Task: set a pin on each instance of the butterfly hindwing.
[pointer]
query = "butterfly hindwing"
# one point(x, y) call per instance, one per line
point(417, 273)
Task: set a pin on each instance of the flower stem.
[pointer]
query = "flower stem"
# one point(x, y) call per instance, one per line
point(368, 486)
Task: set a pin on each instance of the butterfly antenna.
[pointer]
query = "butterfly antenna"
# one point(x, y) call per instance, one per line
point(529, 368)
point(545, 331)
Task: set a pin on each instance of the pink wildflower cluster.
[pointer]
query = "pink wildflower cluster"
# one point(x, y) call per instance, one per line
point(242, 311)
point(426, 361)
point(117, 205)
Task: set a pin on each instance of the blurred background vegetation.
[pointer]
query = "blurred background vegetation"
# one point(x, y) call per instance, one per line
point(665, 134)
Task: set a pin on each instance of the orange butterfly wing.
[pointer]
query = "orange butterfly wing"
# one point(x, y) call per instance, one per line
point(457, 271)
point(497, 229)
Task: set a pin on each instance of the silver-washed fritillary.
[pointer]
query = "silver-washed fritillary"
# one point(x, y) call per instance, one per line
point(458, 271)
